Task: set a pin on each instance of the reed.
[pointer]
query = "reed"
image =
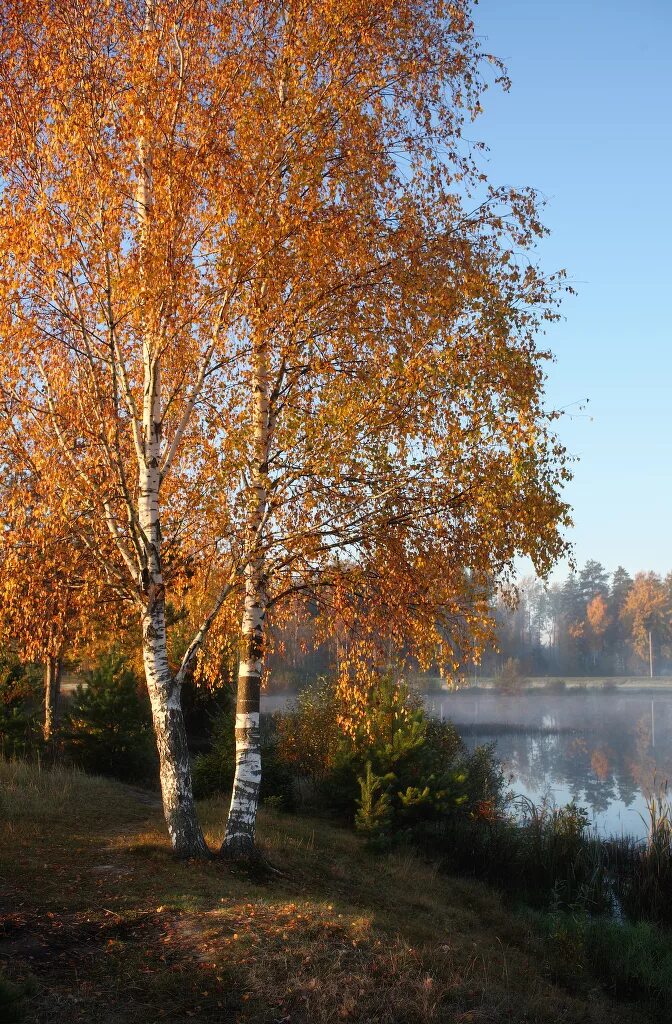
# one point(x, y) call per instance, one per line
point(642, 870)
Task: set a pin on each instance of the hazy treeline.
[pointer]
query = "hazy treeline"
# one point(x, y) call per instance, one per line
point(592, 623)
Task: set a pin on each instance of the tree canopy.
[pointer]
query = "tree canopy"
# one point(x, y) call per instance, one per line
point(268, 330)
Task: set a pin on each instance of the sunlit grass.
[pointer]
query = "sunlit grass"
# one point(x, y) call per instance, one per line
point(333, 933)
point(35, 792)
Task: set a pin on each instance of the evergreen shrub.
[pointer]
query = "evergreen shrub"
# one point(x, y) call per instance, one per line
point(20, 706)
point(107, 728)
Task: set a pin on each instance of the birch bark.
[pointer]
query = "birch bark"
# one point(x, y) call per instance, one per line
point(164, 689)
point(171, 739)
point(242, 820)
point(241, 824)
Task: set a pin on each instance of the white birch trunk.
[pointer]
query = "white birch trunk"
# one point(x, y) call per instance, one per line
point(171, 739)
point(164, 690)
point(241, 824)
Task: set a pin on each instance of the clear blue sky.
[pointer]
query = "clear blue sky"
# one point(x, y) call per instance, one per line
point(588, 123)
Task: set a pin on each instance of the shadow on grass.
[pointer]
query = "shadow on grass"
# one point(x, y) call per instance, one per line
point(115, 930)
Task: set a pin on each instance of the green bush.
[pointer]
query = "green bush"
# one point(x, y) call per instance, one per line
point(20, 706)
point(107, 729)
point(414, 763)
point(213, 771)
point(419, 768)
point(486, 782)
point(12, 1005)
point(631, 960)
point(308, 735)
point(277, 778)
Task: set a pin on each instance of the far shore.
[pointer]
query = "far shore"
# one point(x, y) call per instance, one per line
point(434, 686)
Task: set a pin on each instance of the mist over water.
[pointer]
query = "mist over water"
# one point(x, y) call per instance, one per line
point(605, 751)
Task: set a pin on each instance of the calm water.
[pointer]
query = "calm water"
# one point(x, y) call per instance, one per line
point(605, 751)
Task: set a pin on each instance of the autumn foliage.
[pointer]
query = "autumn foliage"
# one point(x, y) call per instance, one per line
point(269, 335)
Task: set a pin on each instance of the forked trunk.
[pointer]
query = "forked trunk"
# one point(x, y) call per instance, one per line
point(52, 696)
point(179, 807)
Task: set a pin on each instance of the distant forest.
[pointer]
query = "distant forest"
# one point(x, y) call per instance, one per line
point(595, 623)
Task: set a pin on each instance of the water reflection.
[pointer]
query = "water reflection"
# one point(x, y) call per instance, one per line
point(605, 751)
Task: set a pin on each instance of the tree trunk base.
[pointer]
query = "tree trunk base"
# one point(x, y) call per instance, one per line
point(250, 858)
point(240, 848)
point(196, 849)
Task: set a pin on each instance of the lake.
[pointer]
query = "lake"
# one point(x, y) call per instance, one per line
point(606, 751)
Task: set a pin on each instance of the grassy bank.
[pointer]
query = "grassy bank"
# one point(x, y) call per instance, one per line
point(99, 922)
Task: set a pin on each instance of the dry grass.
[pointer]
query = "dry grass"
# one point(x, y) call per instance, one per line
point(111, 928)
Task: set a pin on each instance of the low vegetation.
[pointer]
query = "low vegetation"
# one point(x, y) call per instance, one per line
point(20, 695)
point(100, 922)
point(385, 817)
point(397, 777)
point(108, 725)
point(633, 961)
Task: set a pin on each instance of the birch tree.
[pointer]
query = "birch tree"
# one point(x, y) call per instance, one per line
point(266, 323)
point(116, 181)
point(39, 598)
point(647, 614)
point(395, 449)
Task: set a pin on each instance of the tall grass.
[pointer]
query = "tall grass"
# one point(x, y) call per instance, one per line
point(547, 857)
point(642, 870)
point(560, 857)
point(633, 961)
point(32, 792)
point(542, 855)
